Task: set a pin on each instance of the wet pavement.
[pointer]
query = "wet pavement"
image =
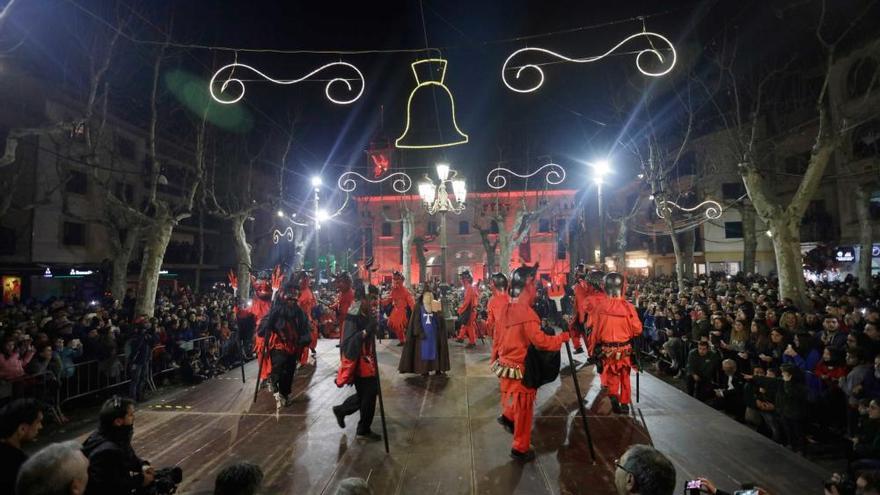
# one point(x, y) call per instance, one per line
point(443, 435)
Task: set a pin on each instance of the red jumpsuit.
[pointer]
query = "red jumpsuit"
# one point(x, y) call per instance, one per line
point(401, 300)
point(307, 303)
point(470, 301)
point(522, 327)
point(260, 307)
point(495, 308)
point(346, 297)
point(615, 323)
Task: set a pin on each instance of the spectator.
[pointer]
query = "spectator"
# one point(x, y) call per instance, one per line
point(644, 470)
point(20, 422)
point(113, 465)
point(241, 478)
point(67, 353)
point(831, 336)
point(59, 468)
point(872, 340)
point(12, 362)
point(729, 396)
point(702, 371)
point(866, 443)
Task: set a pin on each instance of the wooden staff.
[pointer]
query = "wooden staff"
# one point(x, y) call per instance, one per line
point(381, 402)
point(580, 403)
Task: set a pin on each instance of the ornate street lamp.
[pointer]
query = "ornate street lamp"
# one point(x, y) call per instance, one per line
point(436, 199)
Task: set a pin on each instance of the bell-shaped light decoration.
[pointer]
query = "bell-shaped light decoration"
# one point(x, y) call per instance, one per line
point(443, 171)
point(427, 192)
point(430, 110)
point(460, 190)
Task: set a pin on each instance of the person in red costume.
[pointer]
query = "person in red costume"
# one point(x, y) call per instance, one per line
point(265, 287)
point(576, 326)
point(496, 306)
point(522, 328)
point(307, 303)
point(285, 333)
point(615, 323)
point(357, 365)
point(344, 298)
point(403, 304)
point(467, 311)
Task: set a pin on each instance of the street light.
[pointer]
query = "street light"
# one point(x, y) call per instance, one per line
point(601, 168)
point(316, 181)
point(436, 199)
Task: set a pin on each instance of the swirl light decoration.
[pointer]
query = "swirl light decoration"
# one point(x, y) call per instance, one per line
point(277, 235)
point(713, 208)
point(401, 184)
point(239, 94)
point(540, 72)
point(554, 176)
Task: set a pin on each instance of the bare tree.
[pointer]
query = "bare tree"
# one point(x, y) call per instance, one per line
point(407, 227)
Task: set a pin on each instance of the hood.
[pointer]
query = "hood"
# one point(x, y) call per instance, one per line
point(615, 307)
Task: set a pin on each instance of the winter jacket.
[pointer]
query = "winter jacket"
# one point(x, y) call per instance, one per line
point(12, 367)
point(114, 468)
point(807, 366)
point(706, 367)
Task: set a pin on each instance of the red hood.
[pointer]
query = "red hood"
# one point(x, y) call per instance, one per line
point(615, 307)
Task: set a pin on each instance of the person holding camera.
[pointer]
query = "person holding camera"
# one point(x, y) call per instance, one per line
point(114, 467)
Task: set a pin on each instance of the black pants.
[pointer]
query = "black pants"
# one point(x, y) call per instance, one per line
point(701, 390)
point(283, 368)
point(794, 431)
point(363, 400)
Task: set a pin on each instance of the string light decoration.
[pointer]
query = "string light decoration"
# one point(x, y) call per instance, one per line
point(534, 68)
point(219, 98)
point(402, 182)
point(714, 210)
point(319, 216)
point(496, 180)
point(461, 137)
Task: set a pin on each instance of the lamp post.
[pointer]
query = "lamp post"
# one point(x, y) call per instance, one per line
point(601, 168)
point(435, 199)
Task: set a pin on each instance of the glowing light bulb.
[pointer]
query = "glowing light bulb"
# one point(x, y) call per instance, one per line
point(443, 171)
point(322, 215)
point(280, 214)
point(316, 181)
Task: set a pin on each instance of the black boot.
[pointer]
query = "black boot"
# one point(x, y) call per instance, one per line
point(506, 423)
point(340, 418)
point(523, 457)
point(615, 405)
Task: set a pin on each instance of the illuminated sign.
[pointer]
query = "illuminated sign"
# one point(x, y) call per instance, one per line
point(636, 263)
point(875, 251)
point(75, 272)
point(47, 273)
point(845, 254)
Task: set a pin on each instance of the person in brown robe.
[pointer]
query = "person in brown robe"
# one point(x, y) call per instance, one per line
point(426, 347)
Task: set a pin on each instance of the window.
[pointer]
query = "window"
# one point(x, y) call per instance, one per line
point(74, 234)
point(493, 227)
point(733, 230)
point(7, 241)
point(386, 229)
point(464, 228)
point(125, 147)
point(77, 182)
point(561, 225)
point(431, 228)
point(732, 190)
point(544, 225)
point(561, 250)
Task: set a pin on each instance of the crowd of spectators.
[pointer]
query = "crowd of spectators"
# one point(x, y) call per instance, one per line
point(807, 377)
point(47, 345)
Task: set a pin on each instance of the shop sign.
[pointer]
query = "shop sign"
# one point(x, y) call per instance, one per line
point(845, 254)
point(47, 273)
point(75, 272)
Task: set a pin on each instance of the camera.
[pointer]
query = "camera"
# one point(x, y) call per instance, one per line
point(167, 480)
point(692, 487)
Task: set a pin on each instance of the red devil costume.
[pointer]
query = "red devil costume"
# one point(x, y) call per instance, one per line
point(307, 303)
point(496, 306)
point(344, 298)
point(467, 311)
point(522, 328)
point(265, 288)
point(615, 323)
point(403, 304)
point(284, 332)
point(357, 366)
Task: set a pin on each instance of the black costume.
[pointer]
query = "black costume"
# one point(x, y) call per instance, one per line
point(114, 467)
point(419, 356)
point(286, 329)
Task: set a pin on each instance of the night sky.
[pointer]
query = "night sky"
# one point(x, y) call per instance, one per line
point(575, 117)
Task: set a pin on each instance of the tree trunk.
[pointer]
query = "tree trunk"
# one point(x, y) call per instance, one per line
point(154, 252)
point(201, 260)
point(121, 259)
point(299, 247)
point(676, 249)
point(688, 238)
point(406, 244)
point(489, 248)
point(866, 238)
point(789, 260)
point(621, 245)
point(242, 255)
point(750, 238)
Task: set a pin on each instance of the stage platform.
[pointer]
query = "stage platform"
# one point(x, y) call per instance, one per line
point(444, 438)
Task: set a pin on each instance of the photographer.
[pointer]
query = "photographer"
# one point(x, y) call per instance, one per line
point(114, 467)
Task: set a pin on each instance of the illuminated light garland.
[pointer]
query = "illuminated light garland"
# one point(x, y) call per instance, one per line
point(425, 84)
point(533, 67)
point(554, 176)
point(288, 232)
point(285, 82)
point(713, 211)
point(277, 235)
point(401, 184)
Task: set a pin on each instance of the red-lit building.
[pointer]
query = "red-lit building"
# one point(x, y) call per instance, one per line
point(546, 242)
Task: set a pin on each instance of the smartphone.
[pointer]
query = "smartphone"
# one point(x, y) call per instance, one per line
point(753, 491)
point(692, 487)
